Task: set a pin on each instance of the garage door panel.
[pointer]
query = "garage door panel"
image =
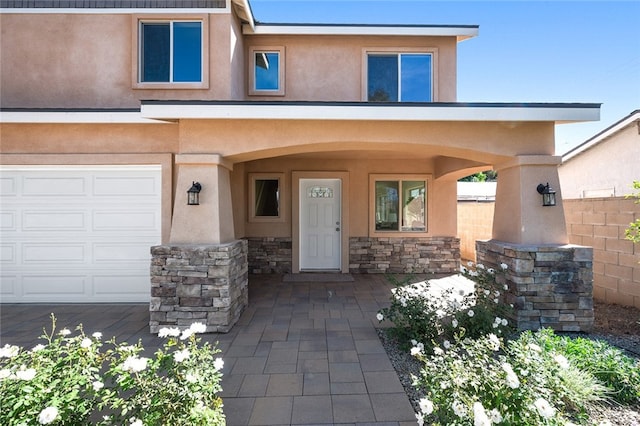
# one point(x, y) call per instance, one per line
point(50, 186)
point(78, 234)
point(53, 220)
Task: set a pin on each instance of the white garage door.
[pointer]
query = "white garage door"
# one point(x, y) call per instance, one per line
point(78, 233)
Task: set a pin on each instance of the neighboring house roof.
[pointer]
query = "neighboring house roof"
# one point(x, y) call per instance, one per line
point(634, 117)
point(381, 111)
point(477, 191)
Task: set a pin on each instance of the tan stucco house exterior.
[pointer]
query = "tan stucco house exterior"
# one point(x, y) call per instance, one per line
point(316, 147)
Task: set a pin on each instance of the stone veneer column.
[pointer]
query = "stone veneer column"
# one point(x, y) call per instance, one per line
point(549, 285)
point(198, 283)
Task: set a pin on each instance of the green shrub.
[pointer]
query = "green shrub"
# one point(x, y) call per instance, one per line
point(78, 379)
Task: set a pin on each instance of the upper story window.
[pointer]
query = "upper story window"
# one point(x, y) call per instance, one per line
point(266, 75)
point(400, 77)
point(171, 53)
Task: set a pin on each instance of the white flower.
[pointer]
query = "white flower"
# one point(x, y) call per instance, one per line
point(497, 293)
point(191, 378)
point(9, 351)
point(86, 343)
point(473, 273)
point(495, 325)
point(446, 344)
point(135, 364)
point(495, 416)
point(487, 292)
point(544, 408)
point(380, 317)
point(463, 269)
point(198, 327)
point(491, 271)
point(505, 322)
point(512, 379)
point(48, 415)
point(414, 342)
point(135, 422)
point(426, 406)
point(4, 373)
point(403, 302)
point(438, 351)
point(605, 423)
point(97, 385)
point(470, 313)
point(444, 385)
point(480, 417)
point(480, 266)
point(26, 374)
point(169, 332)
point(504, 266)
point(562, 361)
point(415, 351)
point(180, 356)
point(470, 264)
point(506, 287)
point(458, 408)
point(38, 347)
point(65, 332)
point(97, 335)
point(127, 348)
point(495, 342)
point(218, 364)
point(454, 323)
point(419, 419)
point(496, 301)
point(497, 320)
point(186, 334)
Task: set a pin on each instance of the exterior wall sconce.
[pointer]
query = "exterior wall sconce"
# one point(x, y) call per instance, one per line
point(548, 194)
point(193, 194)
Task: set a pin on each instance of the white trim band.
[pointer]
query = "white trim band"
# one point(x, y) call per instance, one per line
point(79, 117)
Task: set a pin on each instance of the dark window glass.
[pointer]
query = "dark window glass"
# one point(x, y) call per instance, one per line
point(383, 78)
point(155, 52)
point(267, 197)
point(387, 193)
point(399, 77)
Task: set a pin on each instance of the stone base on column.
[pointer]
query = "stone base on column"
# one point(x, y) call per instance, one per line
point(549, 285)
point(198, 283)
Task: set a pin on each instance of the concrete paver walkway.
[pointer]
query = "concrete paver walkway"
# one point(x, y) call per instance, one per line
point(302, 353)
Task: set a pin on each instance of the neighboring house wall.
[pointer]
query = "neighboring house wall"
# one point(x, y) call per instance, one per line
point(475, 220)
point(600, 223)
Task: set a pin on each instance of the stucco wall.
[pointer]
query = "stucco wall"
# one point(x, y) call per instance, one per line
point(600, 223)
point(474, 223)
point(606, 169)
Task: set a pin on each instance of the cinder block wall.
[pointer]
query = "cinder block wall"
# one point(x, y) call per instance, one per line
point(601, 223)
point(475, 221)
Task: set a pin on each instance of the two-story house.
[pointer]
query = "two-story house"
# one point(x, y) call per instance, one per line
point(313, 148)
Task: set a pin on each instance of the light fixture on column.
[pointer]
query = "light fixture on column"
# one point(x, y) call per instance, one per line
point(548, 194)
point(193, 194)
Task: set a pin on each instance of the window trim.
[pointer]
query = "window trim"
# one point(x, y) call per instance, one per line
point(280, 177)
point(373, 178)
point(280, 50)
point(433, 51)
point(136, 52)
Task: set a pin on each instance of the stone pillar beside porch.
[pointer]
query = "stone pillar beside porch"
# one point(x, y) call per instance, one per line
point(549, 286)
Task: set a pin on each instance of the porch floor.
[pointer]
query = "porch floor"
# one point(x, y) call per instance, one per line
point(302, 352)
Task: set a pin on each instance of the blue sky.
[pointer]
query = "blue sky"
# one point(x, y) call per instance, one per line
point(526, 51)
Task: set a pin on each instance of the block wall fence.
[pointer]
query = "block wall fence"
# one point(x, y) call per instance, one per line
point(594, 222)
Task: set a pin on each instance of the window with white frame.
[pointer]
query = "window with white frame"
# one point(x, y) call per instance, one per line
point(170, 51)
point(400, 204)
point(400, 77)
point(266, 197)
point(266, 71)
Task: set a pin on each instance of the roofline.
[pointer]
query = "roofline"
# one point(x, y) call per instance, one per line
point(362, 111)
point(155, 111)
point(602, 135)
point(461, 32)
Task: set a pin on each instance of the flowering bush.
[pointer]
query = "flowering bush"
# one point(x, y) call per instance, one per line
point(78, 379)
point(420, 314)
point(475, 383)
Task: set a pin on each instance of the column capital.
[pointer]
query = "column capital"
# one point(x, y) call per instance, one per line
point(203, 159)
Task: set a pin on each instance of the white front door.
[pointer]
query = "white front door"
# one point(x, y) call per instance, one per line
point(320, 224)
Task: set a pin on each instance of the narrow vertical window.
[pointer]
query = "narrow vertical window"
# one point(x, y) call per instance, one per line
point(267, 197)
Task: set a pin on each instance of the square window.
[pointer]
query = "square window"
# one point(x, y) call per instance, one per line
point(400, 204)
point(171, 54)
point(267, 71)
point(399, 77)
point(266, 197)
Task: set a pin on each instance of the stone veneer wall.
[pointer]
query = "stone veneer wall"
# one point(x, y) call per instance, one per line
point(193, 283)
point(270, 255)
point(549, 286)
point(439, 255)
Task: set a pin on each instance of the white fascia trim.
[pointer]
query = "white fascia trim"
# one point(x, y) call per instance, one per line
point(377, 113)
point(602, 136)
point(112, 11)
point(460, 32)
point(63, 117)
